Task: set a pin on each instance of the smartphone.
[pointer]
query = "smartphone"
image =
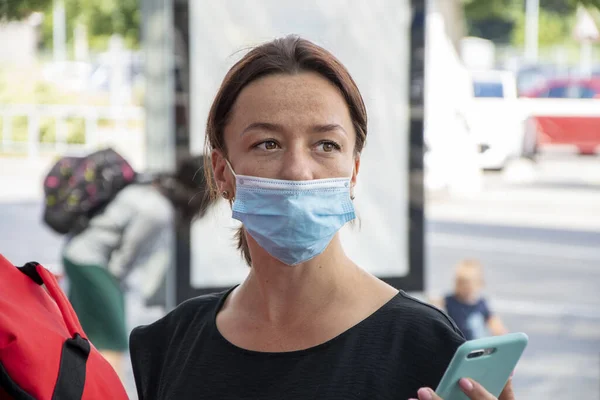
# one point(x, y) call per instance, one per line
point(489, 361)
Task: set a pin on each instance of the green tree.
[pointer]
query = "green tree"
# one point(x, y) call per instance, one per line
point(492, 19)
point(102, 18)
point(554, 29)
point(505, 8)
point(20, 9)
point(503, 21)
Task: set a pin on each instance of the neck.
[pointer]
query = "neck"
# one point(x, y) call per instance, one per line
point(281, 294)
point(467, 299)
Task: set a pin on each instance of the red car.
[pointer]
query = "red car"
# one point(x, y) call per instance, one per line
point(572, 118)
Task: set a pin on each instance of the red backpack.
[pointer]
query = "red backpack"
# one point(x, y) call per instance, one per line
point(44, 353)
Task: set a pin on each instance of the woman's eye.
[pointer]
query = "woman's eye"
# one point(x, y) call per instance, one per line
point(328, 147)
point(267, 145)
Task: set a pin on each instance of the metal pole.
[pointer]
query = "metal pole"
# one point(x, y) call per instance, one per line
point(532, 16)
point(158, 47)
point(59, 31)
point(157, 40)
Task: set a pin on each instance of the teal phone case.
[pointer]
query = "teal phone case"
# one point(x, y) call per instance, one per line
point(490, 370)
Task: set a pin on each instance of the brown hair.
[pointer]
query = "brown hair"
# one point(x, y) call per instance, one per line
point(289, 55)
point(187, 188)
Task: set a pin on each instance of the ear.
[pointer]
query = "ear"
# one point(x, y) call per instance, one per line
point(221, 172)
point(356, 169)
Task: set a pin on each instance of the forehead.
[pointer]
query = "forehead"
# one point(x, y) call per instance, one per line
point(303, 98)
point(467, 273)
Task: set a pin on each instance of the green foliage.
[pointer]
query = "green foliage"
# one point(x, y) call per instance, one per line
point(47, 130)
point(76, 131)
point(19, 131)
point(554, 29)
point(586, 3)
point(484, 9)
point(102, 18)
point(477, 10)
point(20, 9)
point(567, 6)
point(26, 87)
point(492, 19)
point(503, 21)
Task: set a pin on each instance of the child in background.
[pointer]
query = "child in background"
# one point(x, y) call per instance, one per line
point(467, 307)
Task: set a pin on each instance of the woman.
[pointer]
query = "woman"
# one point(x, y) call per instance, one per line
point(132, 232)
point(285, 134)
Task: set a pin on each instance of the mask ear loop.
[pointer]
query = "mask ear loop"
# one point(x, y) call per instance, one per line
point(357, 220)
point(352, 196)
point(230, 168)
point(226, 195)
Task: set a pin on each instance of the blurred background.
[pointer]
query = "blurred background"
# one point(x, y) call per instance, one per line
point(511, 171)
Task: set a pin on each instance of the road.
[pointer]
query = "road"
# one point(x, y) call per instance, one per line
point(536, 228)
point(542, 282)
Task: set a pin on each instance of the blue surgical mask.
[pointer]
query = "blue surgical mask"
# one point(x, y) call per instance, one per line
point(293, 221)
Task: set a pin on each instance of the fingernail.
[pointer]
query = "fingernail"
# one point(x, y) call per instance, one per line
point(425, 394)
point(512, 373)
point(465, 384)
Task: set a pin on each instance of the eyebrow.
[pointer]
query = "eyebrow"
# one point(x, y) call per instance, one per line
point(263, 126)
point(328, 128)
point(267, 126)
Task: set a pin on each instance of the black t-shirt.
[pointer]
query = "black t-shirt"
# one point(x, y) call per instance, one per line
point(403, 346)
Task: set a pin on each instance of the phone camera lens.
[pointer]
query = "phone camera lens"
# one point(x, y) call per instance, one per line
point(476, 354)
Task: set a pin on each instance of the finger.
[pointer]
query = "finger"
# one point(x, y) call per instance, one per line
point(474, 390)
point(427, 394)
point(507, 393)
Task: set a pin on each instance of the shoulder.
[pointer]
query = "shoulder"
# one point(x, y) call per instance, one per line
point(197, 310)
point(429, 338)
point(155, 206)
point(135, 191)
point(423, 318)
point(449, 298)
point(152, 346)
point(483, 304)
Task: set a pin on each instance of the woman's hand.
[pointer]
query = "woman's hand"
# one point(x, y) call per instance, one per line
point(473, 390)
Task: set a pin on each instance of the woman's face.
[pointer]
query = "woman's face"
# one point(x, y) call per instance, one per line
point(290, 127)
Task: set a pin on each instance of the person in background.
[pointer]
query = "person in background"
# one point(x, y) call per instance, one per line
point(467, 307)
point(134, 231)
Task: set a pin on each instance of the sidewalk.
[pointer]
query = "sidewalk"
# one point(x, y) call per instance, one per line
point(577, 209)
point(557, 192)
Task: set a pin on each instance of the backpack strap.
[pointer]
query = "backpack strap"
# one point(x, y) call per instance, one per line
point(42, 276)
point(72, 371)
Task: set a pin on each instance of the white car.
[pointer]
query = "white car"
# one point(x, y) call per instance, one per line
point(494, 118)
